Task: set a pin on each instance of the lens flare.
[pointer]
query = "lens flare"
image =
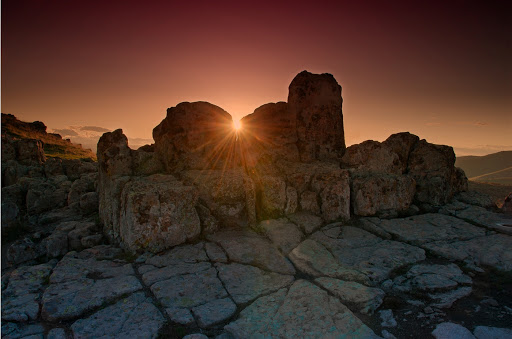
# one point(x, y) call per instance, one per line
point(237, 125)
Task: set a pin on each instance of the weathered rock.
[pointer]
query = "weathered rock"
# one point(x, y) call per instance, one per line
point(476, 198)
point(452, 238)
point(507, 205)
point(308, 223)
point(30, 151)
point(14, 331)
point(178, 261)
point(486, 332)
point(10, 214)
point(146, 163)
point(55, 245)
point(366, 299)
point(228, 194)
point(214, 312)
point(448, 330)
point(53, 166)
point(304, 311)
point(114, 155)
point(432, 278)
point(381, 194)
point(132, 317)
point(57, 333)
point(315, 100)
point(209, 224)
point(245, 283)
point(422, 229)
point(387, 318)
point(181, 316)
point(81, 186)
point(189, 290)
point(271, 131)
point(284, 234)
point(372, 156)
point(91, 240)
point(309, 202)
point(79, 232)
point(215, 252)
point(312, 258)
point(273, 197)
point(446, 299)
point(23, 250)
point(442, 284)
point(249, 248)
point(45, 196)
point(432, 166)
point(110, 191)
point(82, 282)
point(359, 250)
point(480, 216)
point(157, 212)
point(89, 202)
point(20, 298)
point(196, 135)
point(402, 144)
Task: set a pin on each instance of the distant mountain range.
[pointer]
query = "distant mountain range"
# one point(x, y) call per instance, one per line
point(492, 168)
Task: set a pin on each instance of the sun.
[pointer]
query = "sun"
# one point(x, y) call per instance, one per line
point(237, 125)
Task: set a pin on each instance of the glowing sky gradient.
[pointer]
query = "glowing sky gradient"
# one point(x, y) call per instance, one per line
point(439, 69)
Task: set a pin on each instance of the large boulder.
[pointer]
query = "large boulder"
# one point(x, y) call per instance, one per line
point(30, 151)
point(270, 131)
point(157, 212)
point(381, 194)
point(315, 100)
point(437, 179)
point(402, 144)
point(196, 135)
point(228, 194)
point(372, 156)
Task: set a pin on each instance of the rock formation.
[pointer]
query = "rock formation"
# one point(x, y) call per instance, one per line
point(276, 230)
point(289, 157)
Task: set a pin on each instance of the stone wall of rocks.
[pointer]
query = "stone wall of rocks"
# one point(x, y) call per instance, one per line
point(289, 157)
point(38, 194)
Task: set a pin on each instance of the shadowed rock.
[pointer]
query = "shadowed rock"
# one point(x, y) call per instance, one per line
point(196, 135)
point(316, 101)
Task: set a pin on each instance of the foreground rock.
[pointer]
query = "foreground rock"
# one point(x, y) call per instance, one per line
point(303, 310)
point(131, 317)
point(363, 252)
point(20, 300)
point(451, 238)
point(82, 282)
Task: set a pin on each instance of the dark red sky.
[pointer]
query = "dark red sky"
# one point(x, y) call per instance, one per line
point(439, 69)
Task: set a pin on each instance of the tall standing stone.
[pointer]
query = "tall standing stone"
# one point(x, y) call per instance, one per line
point(316, 101)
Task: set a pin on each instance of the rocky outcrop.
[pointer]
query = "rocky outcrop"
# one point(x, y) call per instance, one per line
point(315, 100)
point(195, 135)
point(289, 157)
point(387, 177)
point(157, 212)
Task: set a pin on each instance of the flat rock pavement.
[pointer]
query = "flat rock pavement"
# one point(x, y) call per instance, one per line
point(323, 281)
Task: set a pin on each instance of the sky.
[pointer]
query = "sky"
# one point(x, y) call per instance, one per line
point(438, 69)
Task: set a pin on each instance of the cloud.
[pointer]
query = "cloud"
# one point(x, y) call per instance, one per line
point(65, 132)
point(94, 129)
point(433, 124)
point(473, 123)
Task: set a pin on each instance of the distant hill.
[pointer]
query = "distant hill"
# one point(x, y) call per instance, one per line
point(54, 145)
point(492, 168)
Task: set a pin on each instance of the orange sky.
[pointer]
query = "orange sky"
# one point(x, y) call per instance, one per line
point(441, 70)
